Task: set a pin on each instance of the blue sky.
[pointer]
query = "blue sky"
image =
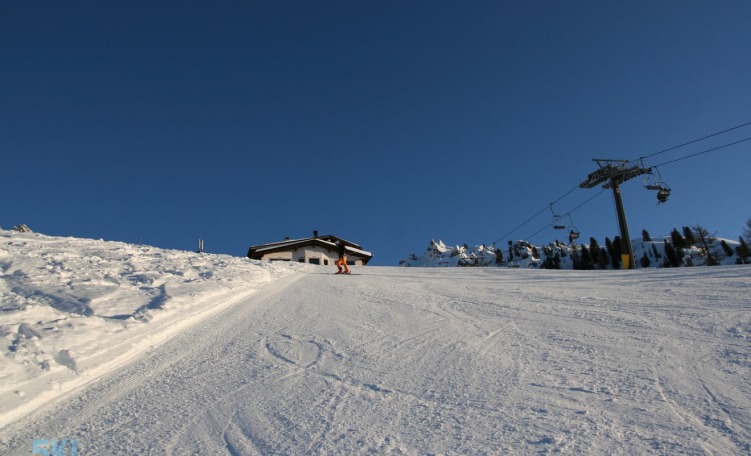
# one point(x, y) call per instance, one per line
point(386, 123)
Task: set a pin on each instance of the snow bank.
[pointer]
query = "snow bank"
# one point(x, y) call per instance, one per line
point(73, 309)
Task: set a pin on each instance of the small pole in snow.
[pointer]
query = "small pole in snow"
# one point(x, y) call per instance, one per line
point(200, 246)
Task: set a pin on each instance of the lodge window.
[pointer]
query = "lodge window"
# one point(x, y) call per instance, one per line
point(314, 261)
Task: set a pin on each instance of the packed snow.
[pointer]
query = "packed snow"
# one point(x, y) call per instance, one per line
point(128, 349)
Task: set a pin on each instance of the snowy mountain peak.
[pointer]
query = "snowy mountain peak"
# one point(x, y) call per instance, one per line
point(655, 252)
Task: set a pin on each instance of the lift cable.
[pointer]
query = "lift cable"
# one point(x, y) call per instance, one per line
point(566, 214)
point(703, 152)
point(626, 171)
point(696, 140)
point(546, 208)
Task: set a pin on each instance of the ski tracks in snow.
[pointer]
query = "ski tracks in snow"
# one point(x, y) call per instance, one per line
point(435, 361)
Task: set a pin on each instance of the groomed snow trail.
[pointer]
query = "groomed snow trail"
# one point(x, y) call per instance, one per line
point(438, 361)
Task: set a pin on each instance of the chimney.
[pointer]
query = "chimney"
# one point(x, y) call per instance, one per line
point(315, 234)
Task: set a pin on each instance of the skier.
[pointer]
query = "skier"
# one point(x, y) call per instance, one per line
point(342, 261)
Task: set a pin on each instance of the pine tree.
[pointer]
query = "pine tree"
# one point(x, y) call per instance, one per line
point(747, 230)
point(594, 251)
point(678, 240)
point(654, 249)
point(688, 236)
point(499, 257)
point(618, 246)
point(743, 251)
point(728, 251)
point(666, 263)
point(645, 236)
point(672, 259)
point(603, 259)
point(679, 255)
point(586, 259)
point(615, 259)
point(510, 251)
point(548, 263)
point(575, 260)
point(645, 260)
point(705, 239)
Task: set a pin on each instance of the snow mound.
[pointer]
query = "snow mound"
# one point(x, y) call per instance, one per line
point(71, 309)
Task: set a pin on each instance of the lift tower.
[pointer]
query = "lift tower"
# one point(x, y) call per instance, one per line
point(611, 174)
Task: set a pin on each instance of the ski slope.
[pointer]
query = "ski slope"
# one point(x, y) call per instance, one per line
point(393, 361)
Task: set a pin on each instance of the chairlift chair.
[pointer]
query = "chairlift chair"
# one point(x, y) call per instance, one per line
point(557, 220)
point(652, 182)
point(573, 232)
point(662, 194)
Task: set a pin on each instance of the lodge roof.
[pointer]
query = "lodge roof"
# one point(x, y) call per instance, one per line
point(328, 242)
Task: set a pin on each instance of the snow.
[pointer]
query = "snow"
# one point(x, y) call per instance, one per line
point(526, 255)
point(134, 350)
point(73, 309)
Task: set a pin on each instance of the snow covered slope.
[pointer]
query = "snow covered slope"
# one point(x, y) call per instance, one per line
point(402, 360)
point(72, 309)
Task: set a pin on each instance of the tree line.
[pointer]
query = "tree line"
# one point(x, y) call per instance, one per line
point(675, 252)
point(688, 246)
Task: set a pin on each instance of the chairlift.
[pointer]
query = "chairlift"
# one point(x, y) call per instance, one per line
point(573, 232)
point(662, 194)
point(557, 220)
point(652, 182)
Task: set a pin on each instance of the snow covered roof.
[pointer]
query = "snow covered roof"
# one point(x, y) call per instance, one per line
point(328, 242)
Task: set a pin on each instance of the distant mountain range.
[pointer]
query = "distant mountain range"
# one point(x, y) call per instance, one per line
point(657, 252)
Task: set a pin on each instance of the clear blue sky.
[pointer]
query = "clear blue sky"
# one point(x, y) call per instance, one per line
point(386, 123)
